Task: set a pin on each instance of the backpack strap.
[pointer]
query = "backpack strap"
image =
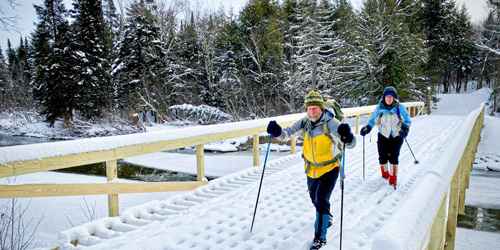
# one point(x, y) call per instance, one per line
point(326, 131)
point(398, 113)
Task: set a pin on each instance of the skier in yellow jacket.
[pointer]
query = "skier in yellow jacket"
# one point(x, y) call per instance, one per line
point(324, 137)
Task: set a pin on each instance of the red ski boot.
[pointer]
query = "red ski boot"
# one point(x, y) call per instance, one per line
point(393, 181)
point(393, 178)
point(385, 173)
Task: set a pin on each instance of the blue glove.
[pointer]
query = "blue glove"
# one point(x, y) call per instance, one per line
point(403, 133)
point(345, 133)
point(365, 130)
point(274, 129)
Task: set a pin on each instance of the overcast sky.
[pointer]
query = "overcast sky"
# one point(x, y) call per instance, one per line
point(26, 13)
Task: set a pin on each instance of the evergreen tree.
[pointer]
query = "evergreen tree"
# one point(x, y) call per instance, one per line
point(393, 55)
point(4, 81)
point(464, 49)
point(262, 57)
point(188, 54)
point(344, 17)
point(55, 88)
point(324, 60)
point(141, 63)
point(209, 27)
point(23, 96)
point(227, 64)
point(111, 18)
point(13, 61)
point(489, 43)
point(92, 51)
point(438, 16)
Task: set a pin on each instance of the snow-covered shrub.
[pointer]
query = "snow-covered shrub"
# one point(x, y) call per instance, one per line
point(202, 114)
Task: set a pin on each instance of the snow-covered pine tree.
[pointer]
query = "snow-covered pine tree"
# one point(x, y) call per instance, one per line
point(489, 43)
point(227, 64)
point(13, 61)
point(392, 54)
point(262, 57)
point(323, 58)
point(291, 25)
point(209, 26)
point(22, 88)
point(438, 16)
point(465, 49)
point(141, 63)
point(111, 17)
point(55, 88)
point(345, 18)
point(4, 81)
point(91, 47)
point(188, 56)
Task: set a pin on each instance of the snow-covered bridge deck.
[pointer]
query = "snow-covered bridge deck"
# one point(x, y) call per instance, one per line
point(218, 215)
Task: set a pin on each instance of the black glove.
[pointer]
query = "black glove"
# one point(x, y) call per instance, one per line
point(365, 130)
point(345, 133)
point(403, 133)
point(273, 129)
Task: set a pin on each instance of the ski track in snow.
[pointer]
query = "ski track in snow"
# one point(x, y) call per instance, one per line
point(218, 216)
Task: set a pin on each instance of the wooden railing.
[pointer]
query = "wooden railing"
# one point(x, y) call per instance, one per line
point(24, 159)
point(432, 209)
point(453, 202)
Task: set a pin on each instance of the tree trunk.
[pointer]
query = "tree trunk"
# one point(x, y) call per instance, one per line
point(68, 118)
point(466, 82)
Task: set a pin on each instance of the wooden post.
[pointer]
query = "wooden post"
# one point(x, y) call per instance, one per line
point(357, 124)
point(462, 188)
point(256, 152)
point(200, 162)
point(113, 201)
point(293, 145)
point(438, 230)
point(451, 226)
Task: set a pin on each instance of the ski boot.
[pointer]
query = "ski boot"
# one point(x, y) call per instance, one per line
point(393, 177)
point(317, 244)
point(384, 172)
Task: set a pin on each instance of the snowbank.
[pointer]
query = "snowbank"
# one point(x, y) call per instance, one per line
point(32, 124)
point(470, 239)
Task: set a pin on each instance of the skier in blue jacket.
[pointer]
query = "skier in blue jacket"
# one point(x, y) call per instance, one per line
point(393, 126)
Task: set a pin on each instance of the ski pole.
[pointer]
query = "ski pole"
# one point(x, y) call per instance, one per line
point(342, 175)
point(411, 151)
point(363, 158)
point(260, 184)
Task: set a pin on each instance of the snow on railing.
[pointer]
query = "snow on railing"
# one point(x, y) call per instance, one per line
point(427, 219)
point(22, 159)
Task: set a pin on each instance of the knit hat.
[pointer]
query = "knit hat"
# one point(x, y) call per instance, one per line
point(314, 98)
point(390, 91)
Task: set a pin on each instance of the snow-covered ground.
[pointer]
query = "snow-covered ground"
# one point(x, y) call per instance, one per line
point(460, 104)
point(218, 215)
point(32, 124)
point(476, 240)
